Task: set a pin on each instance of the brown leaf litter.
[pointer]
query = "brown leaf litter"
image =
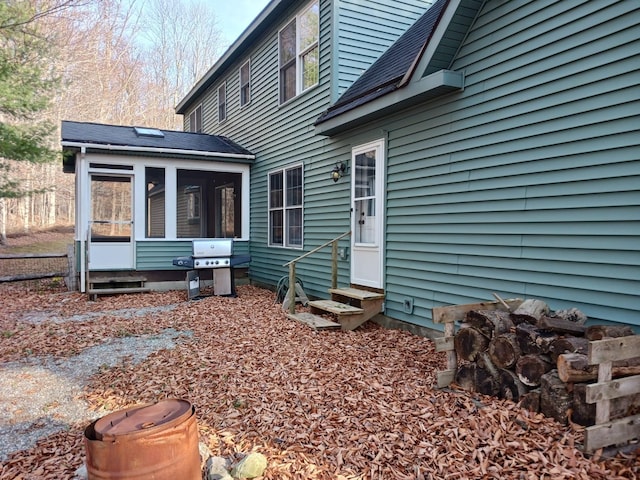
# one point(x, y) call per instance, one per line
point(330, 405)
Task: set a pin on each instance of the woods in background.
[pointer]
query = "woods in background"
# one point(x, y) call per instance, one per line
point(121, 62)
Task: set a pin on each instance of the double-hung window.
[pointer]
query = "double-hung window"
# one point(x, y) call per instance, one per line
point(222, 102)
point(195, 120)
point(245, 84)
point(285, 207)
point(299, 53)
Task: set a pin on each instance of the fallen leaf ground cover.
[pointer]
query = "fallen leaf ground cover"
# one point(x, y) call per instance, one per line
point(319, 405)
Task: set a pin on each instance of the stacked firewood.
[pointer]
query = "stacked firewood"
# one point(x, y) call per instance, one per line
point(538, 358)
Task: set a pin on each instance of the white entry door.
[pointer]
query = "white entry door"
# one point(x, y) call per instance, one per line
point(111, 222)
point(367, 174)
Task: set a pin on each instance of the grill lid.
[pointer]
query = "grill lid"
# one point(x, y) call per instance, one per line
point(213, 247)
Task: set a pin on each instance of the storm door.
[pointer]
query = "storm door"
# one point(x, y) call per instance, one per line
point(367, 214)
point(111, 222)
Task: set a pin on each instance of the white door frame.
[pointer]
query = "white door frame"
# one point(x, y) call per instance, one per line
point(111, 255)
point(367, 214)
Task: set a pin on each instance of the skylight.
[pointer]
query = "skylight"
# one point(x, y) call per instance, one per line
point(148, 132)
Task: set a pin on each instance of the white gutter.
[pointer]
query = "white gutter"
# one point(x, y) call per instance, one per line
point(173, 151)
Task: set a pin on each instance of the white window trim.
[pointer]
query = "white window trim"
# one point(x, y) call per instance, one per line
point(247, 63)
point(222, 86)
point(284, 170)
point(299, 55)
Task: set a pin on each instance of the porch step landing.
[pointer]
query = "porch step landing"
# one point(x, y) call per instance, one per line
point(114, 285)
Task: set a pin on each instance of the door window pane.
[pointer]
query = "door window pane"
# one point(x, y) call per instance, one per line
point(110, 208)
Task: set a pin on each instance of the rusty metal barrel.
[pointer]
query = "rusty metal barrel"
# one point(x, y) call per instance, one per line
point(158, 441)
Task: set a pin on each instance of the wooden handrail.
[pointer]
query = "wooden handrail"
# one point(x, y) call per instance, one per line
point(345, 234)
point(291, 293)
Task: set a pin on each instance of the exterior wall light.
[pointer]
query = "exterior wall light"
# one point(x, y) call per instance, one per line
point(338, 171)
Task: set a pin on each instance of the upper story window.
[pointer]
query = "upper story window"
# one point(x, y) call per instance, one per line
point(299, 53)
point(245, 84)
point(195, 120)
point(222, 102)
point(285, 207)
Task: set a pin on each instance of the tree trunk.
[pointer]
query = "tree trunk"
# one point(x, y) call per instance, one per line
point(555, 398)
point(532, 340)
point(568, 345)
point(531, 400)
point(598, 332)
point(530, 311)
point(531, 368)
point(559, 325)
point(489, 322)
point(466, 377)
point(575, 368)
point(504, 350)
point(511, 388)
point(469, 342)
point(572, 314)
point(3, 221)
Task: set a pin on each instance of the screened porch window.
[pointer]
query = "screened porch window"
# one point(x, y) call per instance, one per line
point(285, 207)
point(155, 204)
point(209, 204)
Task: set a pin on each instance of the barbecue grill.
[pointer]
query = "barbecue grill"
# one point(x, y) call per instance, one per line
point(215, 254)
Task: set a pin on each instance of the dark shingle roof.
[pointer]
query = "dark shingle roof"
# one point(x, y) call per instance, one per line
point(123, 136)
point(386, 73)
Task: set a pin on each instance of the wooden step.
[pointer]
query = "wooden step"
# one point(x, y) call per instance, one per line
point(314, 321)
point(129, 279)
point(334, 307)
point(115, 285)
point(355, 293)
point(115, 291)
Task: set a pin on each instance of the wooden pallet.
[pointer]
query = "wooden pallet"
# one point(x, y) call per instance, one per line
point(608, 432)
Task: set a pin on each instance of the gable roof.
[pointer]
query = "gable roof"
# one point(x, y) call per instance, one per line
point(134, 139)
point(413, 68)
point(386, 74)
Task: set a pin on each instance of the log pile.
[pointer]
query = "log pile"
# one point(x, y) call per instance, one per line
point(538, 358)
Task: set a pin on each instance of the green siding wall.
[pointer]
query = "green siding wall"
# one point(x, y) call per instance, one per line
point(282, 135)
point(159, 255)
point(527, 183)
point(364, 30)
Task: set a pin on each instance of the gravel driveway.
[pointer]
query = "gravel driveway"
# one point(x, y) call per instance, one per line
point(39, 396)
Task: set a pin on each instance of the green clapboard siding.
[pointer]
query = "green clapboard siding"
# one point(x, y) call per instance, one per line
point(364, 30)
point(282, 135)
point(527, 183)
point(159, 255)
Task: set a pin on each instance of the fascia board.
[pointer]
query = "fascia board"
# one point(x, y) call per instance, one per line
point(158, 151)
point(414, 74)
point(438, 83)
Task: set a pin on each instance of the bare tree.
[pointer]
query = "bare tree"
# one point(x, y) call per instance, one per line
point(123, 62)
point(182, 43)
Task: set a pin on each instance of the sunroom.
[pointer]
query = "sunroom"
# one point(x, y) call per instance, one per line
point(143, 195)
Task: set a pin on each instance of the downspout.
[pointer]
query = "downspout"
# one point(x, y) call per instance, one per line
point(82, 223)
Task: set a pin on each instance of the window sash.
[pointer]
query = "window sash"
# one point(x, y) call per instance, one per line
point(298, 48)
point(195, 120)
point(285, 207)
point(245, 84)
point(222, 102)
